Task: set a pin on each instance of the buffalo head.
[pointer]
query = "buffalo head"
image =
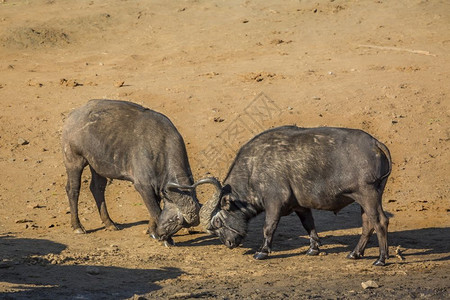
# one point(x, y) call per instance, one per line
point(175, 215)
point(222, 216)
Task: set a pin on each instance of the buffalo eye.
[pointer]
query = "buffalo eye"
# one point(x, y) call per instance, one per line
point(217, 223)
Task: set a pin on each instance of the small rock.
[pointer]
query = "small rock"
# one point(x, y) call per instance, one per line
point(22, 142)
point(69, 82)
point(218, 119)
point(316, 98)
point(92, 270)
point(369, 284)
point(277, 41)
point(398, 253)
point(32, 82)
point(23, 221)
point(322, 253)
point(119, 83)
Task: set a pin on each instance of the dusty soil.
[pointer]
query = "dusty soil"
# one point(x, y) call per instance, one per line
point(223, 71)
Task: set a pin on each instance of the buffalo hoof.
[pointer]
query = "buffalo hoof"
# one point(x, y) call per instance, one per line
point(79, 231)
point(260, 255)
point(353, 255)
point(312, 252)
point(379, 263)
point(169, 242)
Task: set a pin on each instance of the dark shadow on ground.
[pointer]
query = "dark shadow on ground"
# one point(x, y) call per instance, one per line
point(291, 235)
point(428, 240)
point(119, 225)
point(38, 278)
point(202, 239)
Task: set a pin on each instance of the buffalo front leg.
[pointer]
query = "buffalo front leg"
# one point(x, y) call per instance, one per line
point(270, 225)
point(152, 204)
point(307, 220)
point(97, 187)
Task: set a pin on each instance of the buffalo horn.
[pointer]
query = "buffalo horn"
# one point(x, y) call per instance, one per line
point(210, 208)
point(173, 185)
point(210, 180)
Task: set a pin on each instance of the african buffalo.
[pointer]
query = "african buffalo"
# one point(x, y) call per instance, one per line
point(123, 140)
point(291, 169)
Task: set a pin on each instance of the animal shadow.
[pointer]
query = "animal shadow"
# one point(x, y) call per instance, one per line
point(290, 235)
point(26, 267)
point(119, 225)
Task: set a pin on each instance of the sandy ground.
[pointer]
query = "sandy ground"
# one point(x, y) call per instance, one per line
point(223, 71)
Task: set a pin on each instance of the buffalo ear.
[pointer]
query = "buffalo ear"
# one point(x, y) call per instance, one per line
point(225, 197)
point(226, 189)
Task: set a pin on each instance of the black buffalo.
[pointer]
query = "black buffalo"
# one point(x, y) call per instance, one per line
point(123, 140)
point(290, 169)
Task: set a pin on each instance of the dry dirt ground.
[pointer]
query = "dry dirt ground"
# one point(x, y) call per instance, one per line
point(223, 71)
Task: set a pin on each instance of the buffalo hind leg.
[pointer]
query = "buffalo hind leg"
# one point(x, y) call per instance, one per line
point(371, 204)
point(307, 220)
point(74, 169)
point(97, 187)
point(270, 225)
point(381, 228)
point(367, 230)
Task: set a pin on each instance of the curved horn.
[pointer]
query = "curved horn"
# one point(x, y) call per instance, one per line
point(210, 208)
point(211, 180)
point(174, 185)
